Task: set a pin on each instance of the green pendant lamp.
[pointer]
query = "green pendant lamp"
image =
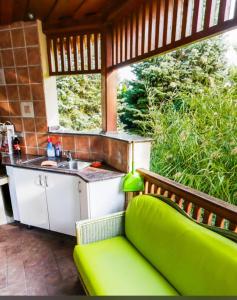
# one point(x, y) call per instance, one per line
point(133, 181)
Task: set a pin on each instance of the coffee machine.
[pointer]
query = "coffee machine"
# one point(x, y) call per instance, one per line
point(7, 134)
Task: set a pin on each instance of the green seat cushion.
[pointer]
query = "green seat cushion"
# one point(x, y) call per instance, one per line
point(114, 267)
point(195, 260)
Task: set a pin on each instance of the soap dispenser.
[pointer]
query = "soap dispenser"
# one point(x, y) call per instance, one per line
point(50, 148)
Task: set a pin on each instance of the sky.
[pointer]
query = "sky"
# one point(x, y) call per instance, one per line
point(231, 55)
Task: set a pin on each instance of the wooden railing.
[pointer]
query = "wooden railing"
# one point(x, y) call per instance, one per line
point(158, 26)
point(148, 28)
point(200, 206)
point(77, 53)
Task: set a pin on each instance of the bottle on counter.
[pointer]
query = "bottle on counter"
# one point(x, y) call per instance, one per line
point(58, 149)
point(16, 146)
point(50, 148)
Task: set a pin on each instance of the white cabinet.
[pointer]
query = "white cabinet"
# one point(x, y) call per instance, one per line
point(47, 200)
point(12, 189)
point(56, 201)
point(62, 193)
point(101, 198)
point(31, 197)
point(105, 197)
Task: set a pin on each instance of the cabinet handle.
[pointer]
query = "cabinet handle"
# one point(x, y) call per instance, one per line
point(79, 188)
point(46, 181)
point(40, 180)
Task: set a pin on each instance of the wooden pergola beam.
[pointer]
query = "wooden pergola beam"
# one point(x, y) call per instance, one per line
point(108, 83)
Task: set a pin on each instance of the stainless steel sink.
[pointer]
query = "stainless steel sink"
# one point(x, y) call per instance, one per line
point(73, 165)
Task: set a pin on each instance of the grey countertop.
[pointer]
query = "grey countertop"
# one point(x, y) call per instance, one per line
point(121, 136)
point(89, 174)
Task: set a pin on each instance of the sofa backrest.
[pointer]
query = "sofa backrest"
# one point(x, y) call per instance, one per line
point(195, 260)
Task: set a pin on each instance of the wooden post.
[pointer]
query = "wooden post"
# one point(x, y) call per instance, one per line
point(108, 83)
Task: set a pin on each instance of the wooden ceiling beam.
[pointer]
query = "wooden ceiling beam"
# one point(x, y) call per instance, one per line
point(71, 27)
point(52, 8)
point(20, 10)
point(82, 2)
point(6, 11)
point(124, 10)
point(112, 7)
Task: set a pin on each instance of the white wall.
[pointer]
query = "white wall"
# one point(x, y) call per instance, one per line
point(50, 89)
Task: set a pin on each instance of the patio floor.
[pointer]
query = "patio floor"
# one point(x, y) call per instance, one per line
point(36, 262)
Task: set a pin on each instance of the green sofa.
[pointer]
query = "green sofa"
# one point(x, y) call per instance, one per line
point(152, 249)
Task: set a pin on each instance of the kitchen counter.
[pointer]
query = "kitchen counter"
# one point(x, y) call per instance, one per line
point(121, 136)
point(88, 174)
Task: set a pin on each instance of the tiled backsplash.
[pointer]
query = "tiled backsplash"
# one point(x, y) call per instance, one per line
point(21, 80)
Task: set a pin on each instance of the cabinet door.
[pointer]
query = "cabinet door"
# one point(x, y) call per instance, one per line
point(31, 197)
point(105, 197)
point(12, 189)
point(62, 193)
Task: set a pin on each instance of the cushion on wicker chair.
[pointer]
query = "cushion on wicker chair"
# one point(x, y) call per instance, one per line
point(195, 260)
point(114, 267)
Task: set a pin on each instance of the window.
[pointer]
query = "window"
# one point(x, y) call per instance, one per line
point(79, 102)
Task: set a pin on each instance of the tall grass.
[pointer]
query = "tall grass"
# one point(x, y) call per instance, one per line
point(197, 144)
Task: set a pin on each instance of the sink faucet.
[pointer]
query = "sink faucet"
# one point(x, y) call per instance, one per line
point(68, 155)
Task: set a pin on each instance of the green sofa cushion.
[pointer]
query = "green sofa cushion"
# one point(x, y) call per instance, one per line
point(114, 267)
point(195, 260)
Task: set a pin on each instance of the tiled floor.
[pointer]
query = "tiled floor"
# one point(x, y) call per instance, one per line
point(36, 262)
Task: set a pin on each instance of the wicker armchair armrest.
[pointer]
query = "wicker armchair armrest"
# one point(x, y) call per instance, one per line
point(90, 231)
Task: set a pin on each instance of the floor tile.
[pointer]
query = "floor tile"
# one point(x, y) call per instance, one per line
point(36, 262)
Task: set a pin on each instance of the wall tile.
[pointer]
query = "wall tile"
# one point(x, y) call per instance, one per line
point(14, 109)
point(20, 57)
point(18, 38)
point(23, 150)
point(42, 151)
point(68, 143)
point(10, 75)
point(12, 92)
point(31, 36)
point(22, 75)
point(32, 151)
point(107, 146)
point(31, 140)
point(25, 93)
point(17, 123)
point(35, 74)
point(96, 144)
point(29, 124)
point(4, 27)
point(17, 25)
point(7, 58)
point(33, 55)
point(42, 140)
point(4, 109)
point(5, 40)
point(37, 91)
point(39, 109)
point(3, 93)
point(41, 124)
point(82, 155)
point(2, 75)
point(29, 23)
point(82, 143)
point(96, 156)
point(116, 154)
point(4, 119)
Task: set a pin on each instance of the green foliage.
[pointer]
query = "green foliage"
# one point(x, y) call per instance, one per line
point(79, 102)
point(185, 71)
point(198, 147)
point(187, 101)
